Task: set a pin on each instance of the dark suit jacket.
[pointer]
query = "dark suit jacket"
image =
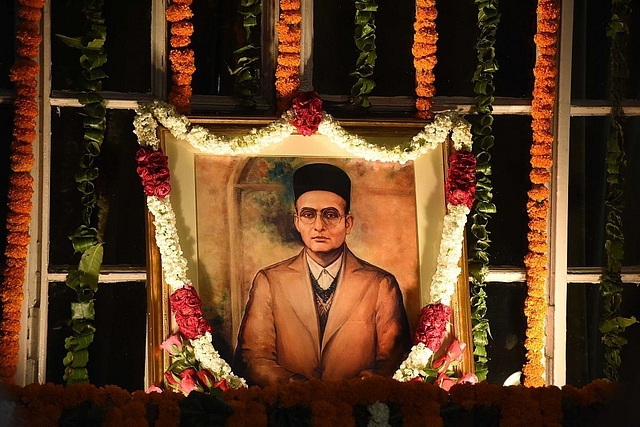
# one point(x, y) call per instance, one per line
point(367, 330)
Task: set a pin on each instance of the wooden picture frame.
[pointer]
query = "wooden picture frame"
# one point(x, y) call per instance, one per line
point(430, 209)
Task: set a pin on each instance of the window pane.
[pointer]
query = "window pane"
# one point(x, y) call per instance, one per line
point(117, 354)
point(128, 45)
point(585, 351)
point(587, 191)
point(7, 47)
point(335, 53)
point(119, 190)
point(506, 352)
point(510, 179)
point(590, 70)
point(218, 31)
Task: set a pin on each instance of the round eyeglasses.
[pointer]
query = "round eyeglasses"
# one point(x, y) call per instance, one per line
point(329, 216)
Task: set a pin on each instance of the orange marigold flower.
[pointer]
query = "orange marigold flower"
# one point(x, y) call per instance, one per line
point(180, 101)
point(425, 3)
point(536, 260)
point(547, 11)
point(423, 49)
point(548, 50)
point(426, 63)
point(541, 125)
point(425, 90)
point(179, 41)
point(426, 13)
point(538, 209)
point(425, 76)
point(424, 104)
point(182, 57)
point(30, 13)
point(541, 161)
point(30, 26)
point(539, 192)
point(541, 113)
point(547, 25)
point(14, 217)
point(425, 35)
point(24, 70)
point(544, 39)
point(287, 34)
point(540, 149)
point(291, 17)
point(538, 224)
point(289, 48)
point(178, 12)
point(25, 135)
point(537, 236)
point(540, 176)
point(184, 2)
point(424, 115)
point(26, 51)
point(20, 147)
point(20, 193)
point(22, 162)
point(26, 107)
point(26, 91)
point(289, 4)
point(15, 251)
point(182, 28)
point(20, 228)
point(20, 239)
point(288, 60)
point(28, 38)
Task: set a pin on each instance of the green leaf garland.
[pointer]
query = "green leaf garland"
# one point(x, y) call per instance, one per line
point(612, 325)
point(247, 57)
point(488, 19)
point(365, 41)
point(86, 239)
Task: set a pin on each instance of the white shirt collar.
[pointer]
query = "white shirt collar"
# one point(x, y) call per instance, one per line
point(333, 269)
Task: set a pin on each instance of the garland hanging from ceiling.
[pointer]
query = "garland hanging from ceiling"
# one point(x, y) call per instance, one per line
point(181, 57)
point(612, 325)
point(424, 56)
point(536, 260)
point(24, 74)
point(488, 19)
point(288, 60)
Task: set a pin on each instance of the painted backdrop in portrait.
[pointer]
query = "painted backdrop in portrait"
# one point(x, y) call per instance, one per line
point(245, 222)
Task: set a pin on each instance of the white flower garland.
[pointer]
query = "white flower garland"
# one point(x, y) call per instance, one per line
point(174, 265)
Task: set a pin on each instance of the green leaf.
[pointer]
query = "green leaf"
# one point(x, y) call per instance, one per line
point(89, 97)
point(83, 310)
point(74, 42)
point(80, 358)
point(73, 280)
point(90, 264)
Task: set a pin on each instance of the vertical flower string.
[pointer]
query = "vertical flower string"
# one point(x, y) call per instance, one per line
point(288, 60)
point(24, 74)
point(488, 19)
point(536, 260)
point(612, 325)
point(424, 56)
point(181, 57)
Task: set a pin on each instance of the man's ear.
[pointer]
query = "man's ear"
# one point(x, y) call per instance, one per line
point(348, 223)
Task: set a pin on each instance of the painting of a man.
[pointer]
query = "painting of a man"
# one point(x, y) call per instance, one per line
point(323, 313)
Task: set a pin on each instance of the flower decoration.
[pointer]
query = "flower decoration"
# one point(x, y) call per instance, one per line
point(307, 111)
point(24, 74)
point(182, 58)
point(153, 169)
point(460, 185)
point(535, 307)
point(187, 307)
point(424, 56)
point(304, 115)
point(288, 60)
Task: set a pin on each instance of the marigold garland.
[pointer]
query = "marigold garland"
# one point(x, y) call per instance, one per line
point(424, 54)
point(288, 60)
point(24, 74)
point(182, 58)
point(542, 109)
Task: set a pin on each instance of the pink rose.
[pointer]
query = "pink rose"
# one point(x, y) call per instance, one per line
point(469, 378)
point(153, 389)
point(172, 345)
point(189, 381)
point(444, 382)
point(222, 385)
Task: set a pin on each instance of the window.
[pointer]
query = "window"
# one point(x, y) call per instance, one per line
point(138, 70)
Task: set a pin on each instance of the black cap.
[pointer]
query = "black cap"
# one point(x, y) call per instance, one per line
point(324, 177)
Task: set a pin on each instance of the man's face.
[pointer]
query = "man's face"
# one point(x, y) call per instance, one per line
point(318, 236)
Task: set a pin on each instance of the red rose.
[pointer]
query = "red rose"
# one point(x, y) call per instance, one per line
point(185, 301)
point(433, 325)
point(162, 190)
point(307, 107)
point(460, 185)
point(153, 171)
point(188, 325)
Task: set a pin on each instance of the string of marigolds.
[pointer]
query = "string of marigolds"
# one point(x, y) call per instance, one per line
point(182, 58)
point(87, 239)
point(488, 19)
point(424, 54)
point(24, 74)
point(536, 260)
point(288, 60)
point(247, 57)
point(612, 324)
point(365, 41)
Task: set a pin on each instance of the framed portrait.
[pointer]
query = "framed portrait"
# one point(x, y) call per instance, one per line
point(235, 216)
